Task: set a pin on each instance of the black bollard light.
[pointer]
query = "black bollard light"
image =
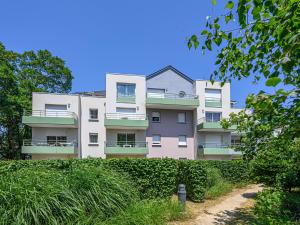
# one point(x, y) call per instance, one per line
point(182, 194)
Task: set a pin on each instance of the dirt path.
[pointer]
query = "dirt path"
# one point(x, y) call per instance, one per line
point(229, 209)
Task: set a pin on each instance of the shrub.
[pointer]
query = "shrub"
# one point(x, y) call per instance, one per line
point(277, 207)
point(216, 186)
point(234, 171)
point(193, 174)
point(152, 177)
point(45, 196)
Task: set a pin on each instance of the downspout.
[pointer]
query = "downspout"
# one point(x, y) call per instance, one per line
point(79, 128)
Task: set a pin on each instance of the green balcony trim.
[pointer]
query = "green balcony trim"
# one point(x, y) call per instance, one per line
point(171, 101)
point(49, 150)
point(214, 125)
point(125, 151)
point(126, 99)
point(48, 120)
point(213, 104)
point(220, 151)
point(126, 123)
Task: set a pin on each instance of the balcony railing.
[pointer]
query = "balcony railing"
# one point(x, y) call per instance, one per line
point(126, 116)
point(171, 95)
point(213, 102)
point(29, 142)
point(50, 113)
point(126, 144)
point(217, 145)
point(208, 120)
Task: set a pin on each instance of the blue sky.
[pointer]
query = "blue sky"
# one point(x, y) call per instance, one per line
point(97, 36)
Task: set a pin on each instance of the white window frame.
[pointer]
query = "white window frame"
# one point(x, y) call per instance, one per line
point(90, 114)
point(159, 116)
point(156, 142)
point(93, 143)
point(180, 143)
point(126, 94)
point(181, 113)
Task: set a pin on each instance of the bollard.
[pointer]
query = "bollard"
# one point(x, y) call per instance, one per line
point(182, 194)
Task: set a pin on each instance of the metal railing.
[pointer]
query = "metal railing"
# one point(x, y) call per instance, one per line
point(50, 113)
point(217, 145)
point(126, 144)
point(212, 99)
point(208, 120)
point(30, 142)
point(171, 95)
point(127, 116)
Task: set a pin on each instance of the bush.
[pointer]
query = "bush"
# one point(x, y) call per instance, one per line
point(216, 186)
point(154, 178)
point(234, 171)
point(277, 207)
point(193, 174)
point(45, 196)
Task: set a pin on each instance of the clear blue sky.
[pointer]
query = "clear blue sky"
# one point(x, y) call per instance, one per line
point(97, 36)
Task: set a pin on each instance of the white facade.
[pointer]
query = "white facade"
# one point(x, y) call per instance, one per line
point(121, 123)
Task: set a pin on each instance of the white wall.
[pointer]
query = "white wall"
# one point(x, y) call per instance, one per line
point(87, 103)
point(111, 92)
point(201, 85)
point(39, 100)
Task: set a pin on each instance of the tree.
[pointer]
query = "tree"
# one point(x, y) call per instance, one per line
point(264, 44)
point(20, 75)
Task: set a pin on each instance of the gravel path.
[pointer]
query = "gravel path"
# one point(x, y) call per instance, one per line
point(226, 210)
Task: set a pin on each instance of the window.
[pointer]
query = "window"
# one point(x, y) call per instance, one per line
point(56, 140)
point(94, 114)
point(182, 140)
point(213, 98)
point(156, 139)
point(55, 111)
point(125, 90)
point(212, 117)
point(156, 117)
point(181, 118)
point(93, 139)
point(125, 110)
point(126, 139)
point(155, 93)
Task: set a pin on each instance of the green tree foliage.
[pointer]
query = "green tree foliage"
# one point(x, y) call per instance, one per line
point(260, 40)
point(20, 75)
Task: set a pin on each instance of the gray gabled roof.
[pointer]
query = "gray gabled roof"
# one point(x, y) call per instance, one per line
point(170, 68)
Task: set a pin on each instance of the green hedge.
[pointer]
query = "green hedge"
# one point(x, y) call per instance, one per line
point(235, 171)
point(152, 177)
point(193, 174)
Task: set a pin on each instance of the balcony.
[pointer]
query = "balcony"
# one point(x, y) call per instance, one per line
point(126, 121)
point(48, 147)
point(172, 101)
point(48, 118)
point(205, 124)
point(218, 149)
point(126, 99)
point(126, 148)
point(213, 102)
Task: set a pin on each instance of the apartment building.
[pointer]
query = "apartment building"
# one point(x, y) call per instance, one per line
point(165, 114)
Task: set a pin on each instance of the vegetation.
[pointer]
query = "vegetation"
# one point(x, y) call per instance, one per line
point(47, 196)
point(20, 75)
point(216, 186)
point(263, 43)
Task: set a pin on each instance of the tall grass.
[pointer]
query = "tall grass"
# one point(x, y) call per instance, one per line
point(216, 185)
point(43, 196)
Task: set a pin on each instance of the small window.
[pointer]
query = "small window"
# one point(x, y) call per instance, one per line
point(125, 110)
point(93, 114)
point(125, 90)
point(93, 138)
point(156, 139)
point(213, 117)
point(156, 117)
point(182, 94)
point(181, 118)
point(182, 140)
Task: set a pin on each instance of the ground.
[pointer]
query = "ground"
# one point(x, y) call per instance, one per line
point(230, 209)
